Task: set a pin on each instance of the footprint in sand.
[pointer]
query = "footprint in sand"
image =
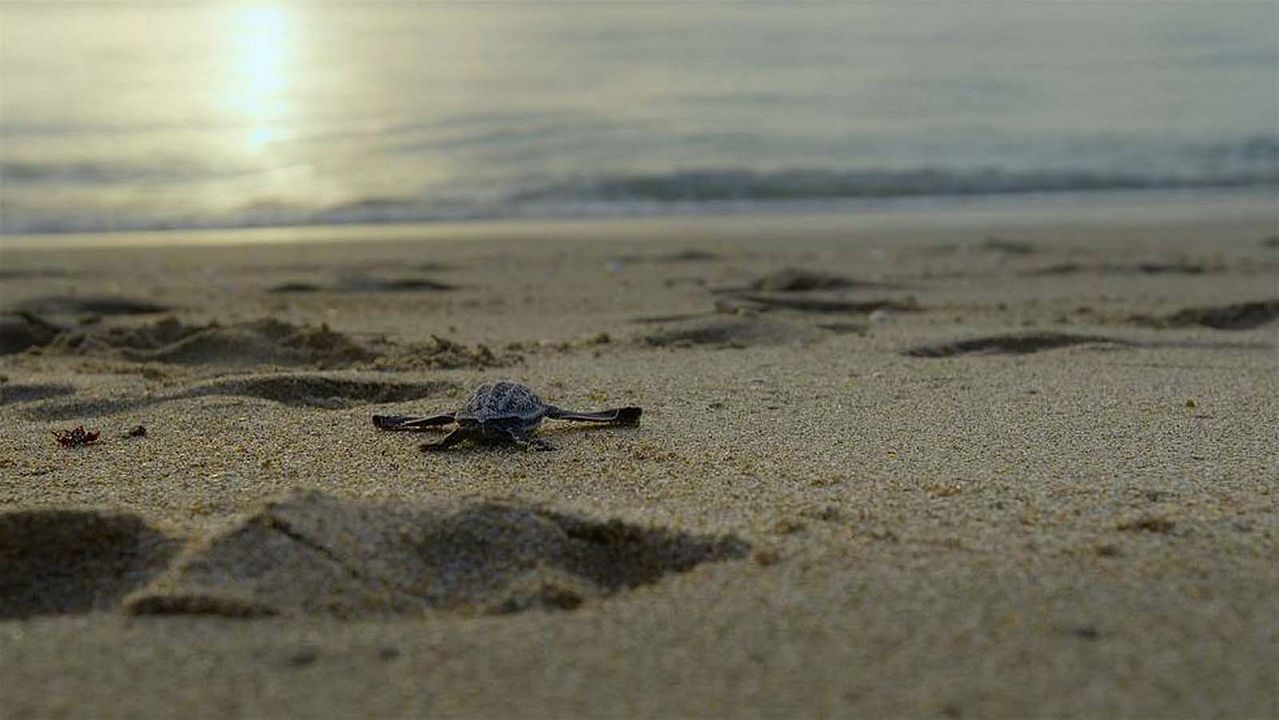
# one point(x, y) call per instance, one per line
point(805, 291)
point(55, 562)
point(35, 273)
point(1240, 316)
point(1015, 344)
point(294, 389)
point(258, 342)
point(366, 284)
point(105, 305)
point(19, 393)
point(682, 256)
point(21, 331)
point(320, 391)
point(311, 553)
point(267, 342)
point(732, 331)
point(795, 280)
point(1008, 247)
point(1143, 268)
point(815, 304)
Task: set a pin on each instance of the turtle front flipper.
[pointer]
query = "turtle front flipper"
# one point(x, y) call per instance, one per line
point(623, 416)
point(410, 423)
point(449, 440)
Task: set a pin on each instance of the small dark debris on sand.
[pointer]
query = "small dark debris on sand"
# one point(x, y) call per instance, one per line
point(76, 437)
point(1271, 242)
point(1015, 344)
point(1240, 316)
point(137, 432)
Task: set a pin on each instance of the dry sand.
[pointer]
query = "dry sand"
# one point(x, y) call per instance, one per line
point(960, 465)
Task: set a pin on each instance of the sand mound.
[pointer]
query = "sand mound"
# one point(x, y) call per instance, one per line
point(318, 390)
point(310, 553)
point(19, 331)
point(66, 561)
point(92, 305)
point(1241, 316)
point(17, 393)
point(1016, 344)
point(246, 343)
point(732, 331)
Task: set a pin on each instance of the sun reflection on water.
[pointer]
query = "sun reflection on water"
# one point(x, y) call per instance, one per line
point(260, 37)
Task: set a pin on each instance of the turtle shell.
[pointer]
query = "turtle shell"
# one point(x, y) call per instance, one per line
point(506, 403)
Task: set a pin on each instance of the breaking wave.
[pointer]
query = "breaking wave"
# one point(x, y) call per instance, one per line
point(1253, 163)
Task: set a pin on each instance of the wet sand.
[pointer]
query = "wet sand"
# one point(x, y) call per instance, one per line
point(959, 465)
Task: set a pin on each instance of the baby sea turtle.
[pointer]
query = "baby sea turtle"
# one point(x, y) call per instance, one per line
point(501, 412)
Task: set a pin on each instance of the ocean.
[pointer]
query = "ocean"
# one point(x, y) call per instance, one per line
point(137, 115)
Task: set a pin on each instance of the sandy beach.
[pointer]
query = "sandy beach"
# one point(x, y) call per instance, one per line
point(965, 464)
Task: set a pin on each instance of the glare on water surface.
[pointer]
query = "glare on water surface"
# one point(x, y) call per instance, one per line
point(261, 37)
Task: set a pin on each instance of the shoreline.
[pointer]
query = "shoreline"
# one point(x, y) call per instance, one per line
point(1057, 209)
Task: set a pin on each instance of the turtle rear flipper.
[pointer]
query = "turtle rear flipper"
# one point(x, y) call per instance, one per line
point(410, 423)
point(626, 415)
